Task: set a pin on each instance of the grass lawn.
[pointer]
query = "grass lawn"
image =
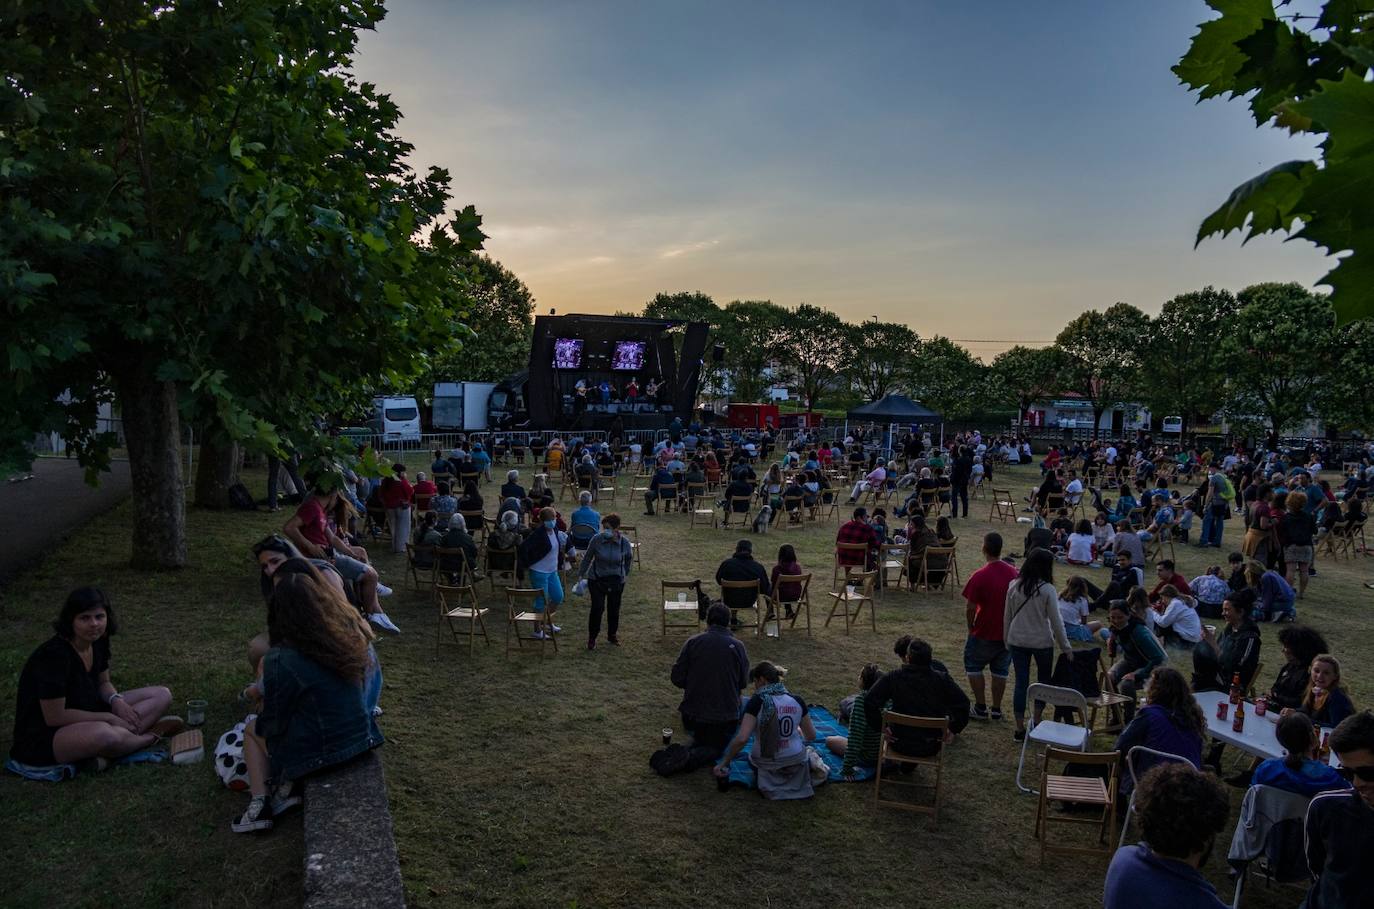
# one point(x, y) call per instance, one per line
point(526, 783)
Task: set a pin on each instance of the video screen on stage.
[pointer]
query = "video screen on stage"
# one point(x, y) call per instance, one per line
point(567, 353)
point(629, 355)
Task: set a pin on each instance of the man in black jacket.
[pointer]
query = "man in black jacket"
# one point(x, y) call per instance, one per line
point(742, 567)
point(961, 471)
point(711, 669)
point(1340, 824)
point(918, 689)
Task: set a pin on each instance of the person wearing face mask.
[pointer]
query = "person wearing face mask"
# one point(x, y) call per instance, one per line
point(540, 554)
point(1180, 811)
point(1340, 825)
point(605, 566)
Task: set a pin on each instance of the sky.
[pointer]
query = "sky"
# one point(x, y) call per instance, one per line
point(985, 171)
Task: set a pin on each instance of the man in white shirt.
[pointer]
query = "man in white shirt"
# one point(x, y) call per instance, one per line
point(873, 481)
point(1177, 622)
point(1111, 455)
point(1073, 490)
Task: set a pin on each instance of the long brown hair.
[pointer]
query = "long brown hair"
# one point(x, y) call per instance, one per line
point(1331, 661)
point(309, 616)
point(1169, 689)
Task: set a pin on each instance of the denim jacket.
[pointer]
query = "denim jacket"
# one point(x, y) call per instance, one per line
point(311, 718)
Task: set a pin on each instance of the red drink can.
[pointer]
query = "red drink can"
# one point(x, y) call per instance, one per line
point(1261, 705)
point(1222, 708)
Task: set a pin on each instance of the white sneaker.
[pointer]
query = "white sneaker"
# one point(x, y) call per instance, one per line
point(539, 635)
point(383, 590)
point(257, 817)
point(381, 621)
point(556, 628)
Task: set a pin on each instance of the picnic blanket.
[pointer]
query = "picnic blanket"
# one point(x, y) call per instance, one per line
point(742, 772)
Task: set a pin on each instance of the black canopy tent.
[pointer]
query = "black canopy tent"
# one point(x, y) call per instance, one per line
point(895, 408)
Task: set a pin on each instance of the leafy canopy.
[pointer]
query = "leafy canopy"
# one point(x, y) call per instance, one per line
point(1309, 75)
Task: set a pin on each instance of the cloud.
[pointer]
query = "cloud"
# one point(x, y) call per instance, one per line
point(675, 252)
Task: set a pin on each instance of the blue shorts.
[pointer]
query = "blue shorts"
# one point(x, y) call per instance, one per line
point(1078, 633)
point(979, 654)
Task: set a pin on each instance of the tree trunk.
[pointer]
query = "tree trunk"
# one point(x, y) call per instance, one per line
point(1097, 420)
point(217, 471)
point(152, 432)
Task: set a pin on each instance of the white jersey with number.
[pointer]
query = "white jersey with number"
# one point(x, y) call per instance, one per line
point(791, 742)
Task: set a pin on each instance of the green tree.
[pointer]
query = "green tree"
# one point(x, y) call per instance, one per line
point(880, 356)
point(1023, 375)
point(208, 216)
point(1343, 396)
point(500, 311)
point(1183, 373)
point(1102, 351)
point(1308, 75)
point(947, 379)
point(750, 328)
point(1279, 354)
point(694, 306)
point(811, 349)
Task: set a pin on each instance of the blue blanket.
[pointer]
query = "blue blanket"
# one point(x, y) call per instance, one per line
point(742, 772)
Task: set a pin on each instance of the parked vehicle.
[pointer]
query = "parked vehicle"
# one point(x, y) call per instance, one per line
point(396, 419)
point(461, 405)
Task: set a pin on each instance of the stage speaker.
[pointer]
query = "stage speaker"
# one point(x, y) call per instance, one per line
point(718, 353)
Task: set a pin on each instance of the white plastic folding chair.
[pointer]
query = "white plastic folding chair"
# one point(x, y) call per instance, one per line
point(1053, 733)
point(1135, 755)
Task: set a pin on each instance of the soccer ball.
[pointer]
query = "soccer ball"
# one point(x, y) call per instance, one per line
point(229, 763)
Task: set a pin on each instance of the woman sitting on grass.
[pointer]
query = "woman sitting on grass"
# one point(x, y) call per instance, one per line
point(313, 714)
point(1074, 608)
point(68, 710)
point(865, 738)
point(784, 728)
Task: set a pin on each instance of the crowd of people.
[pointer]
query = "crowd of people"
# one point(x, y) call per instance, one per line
point(317, 679)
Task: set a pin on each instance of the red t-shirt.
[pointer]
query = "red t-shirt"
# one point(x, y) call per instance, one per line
point(313, 526)
point(1180, 584)
point(987, 590)
point(395, 492)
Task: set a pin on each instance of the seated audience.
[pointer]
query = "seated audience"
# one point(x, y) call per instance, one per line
point(1237, 652)
point(585, 521)
point(918, 689)
point(1174, 619)
point(1180, 811)
point(1325, 702)
point(443, 505)
point(1171, 722)
point(858, 530)
point(1298, 771)
point(511, 489)
point(1210, 591)
point(1275, 600)
point(1074, 609)
point(1340, 825)
point(742, 566)
point(1301, 645)
point(67, 710)
point(1080, 546)
point(787, 591)
point(779, 755)
point(1135, 649)
point(864, 738)
point(313, 712)
point(309, 530)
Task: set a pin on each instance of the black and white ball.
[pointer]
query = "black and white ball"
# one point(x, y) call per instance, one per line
point(229, 763)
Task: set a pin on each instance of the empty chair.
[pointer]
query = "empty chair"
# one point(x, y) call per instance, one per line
point(1078, 790)
point(1053, 733)
point(851, 598)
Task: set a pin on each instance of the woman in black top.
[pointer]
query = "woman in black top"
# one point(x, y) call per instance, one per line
point(471, 500)
point(1300, 646)
point(68, 710)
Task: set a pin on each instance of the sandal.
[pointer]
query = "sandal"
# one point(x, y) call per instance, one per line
point(167, 726)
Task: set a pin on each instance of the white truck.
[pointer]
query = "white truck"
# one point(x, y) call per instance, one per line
point(460, 405)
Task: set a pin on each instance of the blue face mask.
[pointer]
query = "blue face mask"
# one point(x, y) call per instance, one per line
point(607, 534)
point(550, 525)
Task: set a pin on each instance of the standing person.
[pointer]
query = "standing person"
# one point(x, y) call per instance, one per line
point(960, 475)
point(68, 710)
point(985, 599)
point(1340, 825)
point(605, 566)
point(396, 493)
point(1216, 507)
point(1180, 811)
point(1297, 534)
point(540, 554)
point(1256, 543)
point(1031, 627)
point(711, 669)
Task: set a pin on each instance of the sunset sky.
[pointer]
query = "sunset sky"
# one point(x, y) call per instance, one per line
point(980, 170)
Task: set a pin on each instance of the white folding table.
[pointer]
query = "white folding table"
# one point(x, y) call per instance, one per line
point(1259, 736)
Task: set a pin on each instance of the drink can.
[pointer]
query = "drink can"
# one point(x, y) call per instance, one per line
point(1222, 708)
point(667, 735)
point(1261, 705)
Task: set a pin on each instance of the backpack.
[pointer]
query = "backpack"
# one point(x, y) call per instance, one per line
point(240, 498)
point(1228, 492)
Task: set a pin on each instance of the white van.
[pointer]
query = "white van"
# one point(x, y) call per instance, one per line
point(1172, 425)
point(396, 419)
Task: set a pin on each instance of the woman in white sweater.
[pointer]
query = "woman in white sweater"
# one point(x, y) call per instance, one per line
point(1032, 627)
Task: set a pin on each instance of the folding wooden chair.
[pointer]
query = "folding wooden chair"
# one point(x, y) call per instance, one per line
point(893, 556)
point(416, 567)
point(1108, 699)
point(793, 513)
point(630, 531)
point(1078, 790)
point(375, 524)
point(675, 606)
point(1154, 550)
point(520, 609)
point(581, 531)
point(730, 512)
point(700, 505)
point(605, 491)
point(886, 754)
point(1053, 502)
point(421, 503)
point(1335, 539)
point(802, 601)
point(931, 560)
point(457, 602)
point(824, 510)
point(1003, 505)
point(858, 560)
point(500, 564)
point(753, 585)
point(852, 603)
point(476, 523)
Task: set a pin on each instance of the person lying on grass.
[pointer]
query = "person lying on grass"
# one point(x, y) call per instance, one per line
point(313, 712)
point(68, 710)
